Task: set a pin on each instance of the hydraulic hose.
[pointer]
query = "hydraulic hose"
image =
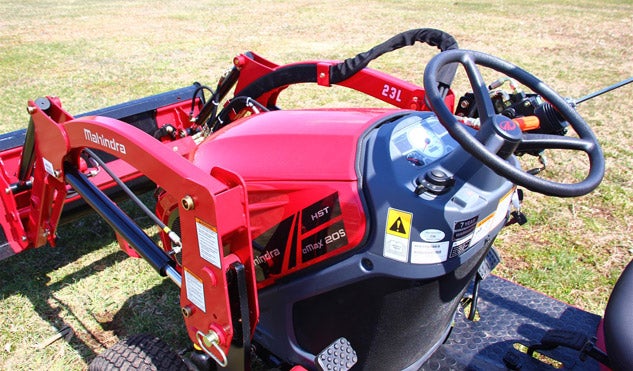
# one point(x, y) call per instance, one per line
point(121, 223)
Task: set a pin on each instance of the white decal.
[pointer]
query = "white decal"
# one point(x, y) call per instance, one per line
point(48, 167)
point(208, 243)
point(485, 226)
point(432, 235)
point(195, 290)
point(429, 253)
point(503, 208)
point(396, 248)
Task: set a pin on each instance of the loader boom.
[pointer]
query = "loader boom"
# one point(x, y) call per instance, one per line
point(204, 286)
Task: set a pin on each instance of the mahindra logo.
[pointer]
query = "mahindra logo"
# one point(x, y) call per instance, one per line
point(508, 125)
point(267, 257)
point(101, 140)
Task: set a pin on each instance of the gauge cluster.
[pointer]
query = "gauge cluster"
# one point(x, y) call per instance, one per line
point(420, 140)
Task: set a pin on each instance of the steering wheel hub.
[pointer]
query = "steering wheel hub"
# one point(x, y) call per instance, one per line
point(507, 129)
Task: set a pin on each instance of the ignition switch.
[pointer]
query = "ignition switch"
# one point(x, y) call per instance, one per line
point(434, 181)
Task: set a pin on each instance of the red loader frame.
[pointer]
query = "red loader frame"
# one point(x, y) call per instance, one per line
point(49, 173)
point(57, 163)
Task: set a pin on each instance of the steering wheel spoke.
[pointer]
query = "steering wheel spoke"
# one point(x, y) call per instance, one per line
point(532, 142)
point(485, 108)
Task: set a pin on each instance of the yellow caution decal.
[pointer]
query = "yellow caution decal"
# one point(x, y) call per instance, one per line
point(399, 223)
point(397, 235)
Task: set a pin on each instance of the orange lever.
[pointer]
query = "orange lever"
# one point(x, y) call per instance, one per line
point(527, 123)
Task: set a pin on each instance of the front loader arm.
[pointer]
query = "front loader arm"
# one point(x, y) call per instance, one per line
point(256, 78)
point(211, 243)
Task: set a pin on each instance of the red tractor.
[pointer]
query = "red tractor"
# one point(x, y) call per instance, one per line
point(319, 238)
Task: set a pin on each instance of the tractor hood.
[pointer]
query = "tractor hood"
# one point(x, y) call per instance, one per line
point(285, 145)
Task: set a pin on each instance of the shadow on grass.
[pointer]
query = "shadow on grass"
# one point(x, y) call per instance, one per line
point(155, 310)
point(26, 274)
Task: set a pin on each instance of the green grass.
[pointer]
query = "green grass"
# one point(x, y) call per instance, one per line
point(93, 54)
point(88, 284)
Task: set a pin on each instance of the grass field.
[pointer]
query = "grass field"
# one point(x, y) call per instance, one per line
point(96, 53)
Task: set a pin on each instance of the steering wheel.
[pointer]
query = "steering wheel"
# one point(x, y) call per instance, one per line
point(499, 136)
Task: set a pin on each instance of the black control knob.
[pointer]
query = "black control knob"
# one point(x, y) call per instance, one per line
point(434, 181)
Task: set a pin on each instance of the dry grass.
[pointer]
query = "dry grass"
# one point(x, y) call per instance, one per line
point(93, 54)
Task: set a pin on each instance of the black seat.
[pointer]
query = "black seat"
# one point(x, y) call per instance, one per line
point(618, 322)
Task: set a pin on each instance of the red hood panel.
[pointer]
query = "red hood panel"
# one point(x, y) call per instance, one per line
point(290, 145)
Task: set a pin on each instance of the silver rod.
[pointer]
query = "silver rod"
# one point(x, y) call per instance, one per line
point(605, 90)
point(173, 274)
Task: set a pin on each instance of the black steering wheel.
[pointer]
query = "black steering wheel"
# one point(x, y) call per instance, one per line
point(499, 137)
